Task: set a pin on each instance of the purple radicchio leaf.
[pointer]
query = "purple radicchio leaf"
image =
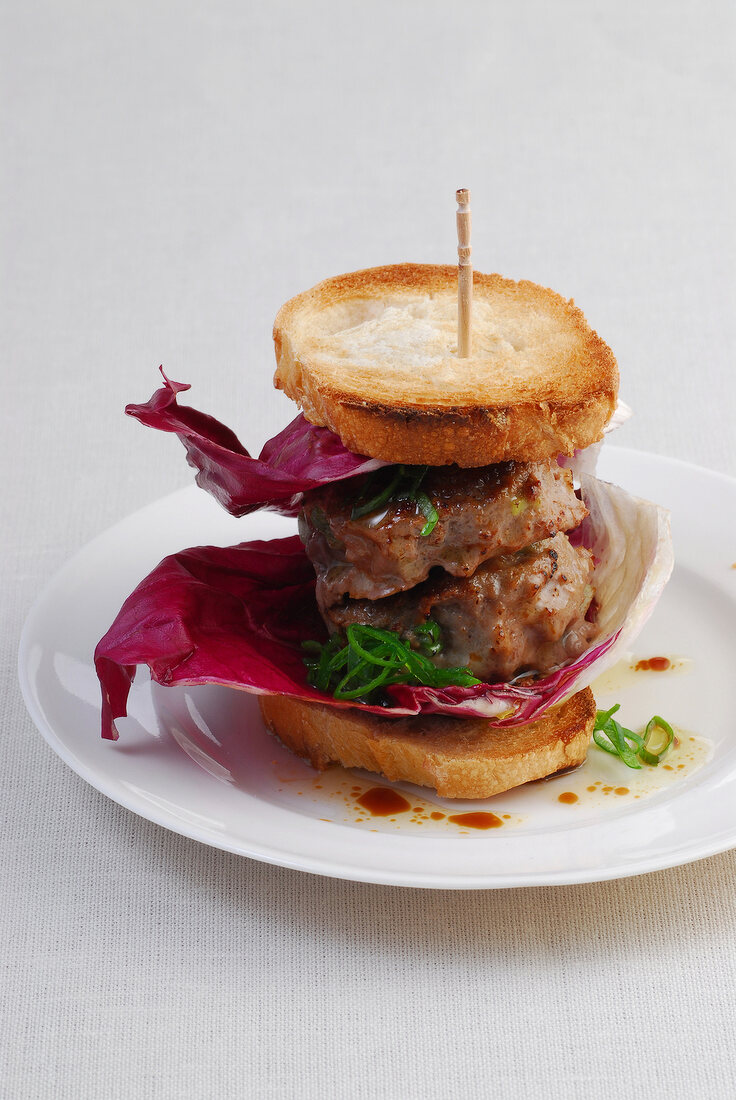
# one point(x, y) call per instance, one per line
point(237, 616)
point(301, 457)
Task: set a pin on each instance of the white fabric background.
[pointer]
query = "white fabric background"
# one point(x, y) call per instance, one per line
point(171, 173)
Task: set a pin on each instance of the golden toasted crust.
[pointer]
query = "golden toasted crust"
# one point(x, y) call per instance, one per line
point(372, 355)
point(458, 757)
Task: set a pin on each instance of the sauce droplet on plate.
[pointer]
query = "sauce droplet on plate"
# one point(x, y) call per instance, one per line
point(382, 802)
point(653, 664)
point(477, 820)
point(569, 797)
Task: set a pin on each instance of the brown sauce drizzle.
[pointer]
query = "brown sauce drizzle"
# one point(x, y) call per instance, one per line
point(477, 820)
point(653, 664)
point(568, 797)
point(383, 801)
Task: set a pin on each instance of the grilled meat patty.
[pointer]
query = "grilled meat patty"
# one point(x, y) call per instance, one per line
point(482, 512)
point(518, 612)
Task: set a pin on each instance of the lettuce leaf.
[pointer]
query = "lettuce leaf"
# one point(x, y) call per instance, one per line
point(300, 457)
point(237, 616)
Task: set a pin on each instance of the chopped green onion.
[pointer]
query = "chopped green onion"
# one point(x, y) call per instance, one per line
point(371, 659)
point(658, 736)
point(612, 737)
point(379, 499)
point(404, 485)
point(429, 637)
point(323, 667)
point(430, 513)
point(381, 655)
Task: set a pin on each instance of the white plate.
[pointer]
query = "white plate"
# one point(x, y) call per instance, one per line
point(198, 761)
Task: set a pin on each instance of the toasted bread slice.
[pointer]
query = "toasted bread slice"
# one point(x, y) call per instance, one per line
point(458, 757)
point(373, 356)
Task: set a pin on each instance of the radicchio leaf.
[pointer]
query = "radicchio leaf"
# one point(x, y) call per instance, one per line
point(300, 457)
point(237, 616)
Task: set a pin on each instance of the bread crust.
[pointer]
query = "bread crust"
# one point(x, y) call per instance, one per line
point(540, 383)
point(458, 757)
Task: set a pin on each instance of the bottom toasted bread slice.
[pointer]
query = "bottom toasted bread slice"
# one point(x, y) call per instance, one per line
point(457, 757)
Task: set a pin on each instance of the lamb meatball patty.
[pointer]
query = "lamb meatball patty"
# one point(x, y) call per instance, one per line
point(481, 513)
point(518, 612)
point(494, 569)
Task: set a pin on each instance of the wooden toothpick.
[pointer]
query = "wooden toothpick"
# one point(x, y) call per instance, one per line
point(464, 274)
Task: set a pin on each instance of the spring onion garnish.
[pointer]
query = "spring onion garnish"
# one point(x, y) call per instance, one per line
point(364, 507)
point(403, 485)
point(428, 510)
point(429, 637)
point(611, 736)
point(372, 659)
point(658, 736)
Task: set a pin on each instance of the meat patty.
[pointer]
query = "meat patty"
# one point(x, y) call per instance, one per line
point(482, 513)
point(518, 612)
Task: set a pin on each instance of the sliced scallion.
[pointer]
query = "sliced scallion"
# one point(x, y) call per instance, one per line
point(370, 659)
point(614, 738)
point(430, 513)
point(429, 637)
point(365, 507)
point(658, 736)
point(403, 485)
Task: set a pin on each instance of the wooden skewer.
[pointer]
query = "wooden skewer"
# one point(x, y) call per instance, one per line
point(464, 274)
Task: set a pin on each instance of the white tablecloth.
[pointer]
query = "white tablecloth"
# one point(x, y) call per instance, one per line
point(171, 174)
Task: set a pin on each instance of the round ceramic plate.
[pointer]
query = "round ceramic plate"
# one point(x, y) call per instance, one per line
point(199, 761)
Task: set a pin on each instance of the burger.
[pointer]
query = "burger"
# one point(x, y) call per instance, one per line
point(459, 576)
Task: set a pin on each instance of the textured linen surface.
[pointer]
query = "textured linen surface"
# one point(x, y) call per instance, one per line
point(171, 174)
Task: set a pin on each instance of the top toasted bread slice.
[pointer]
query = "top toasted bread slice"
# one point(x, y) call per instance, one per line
point(373, 356)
